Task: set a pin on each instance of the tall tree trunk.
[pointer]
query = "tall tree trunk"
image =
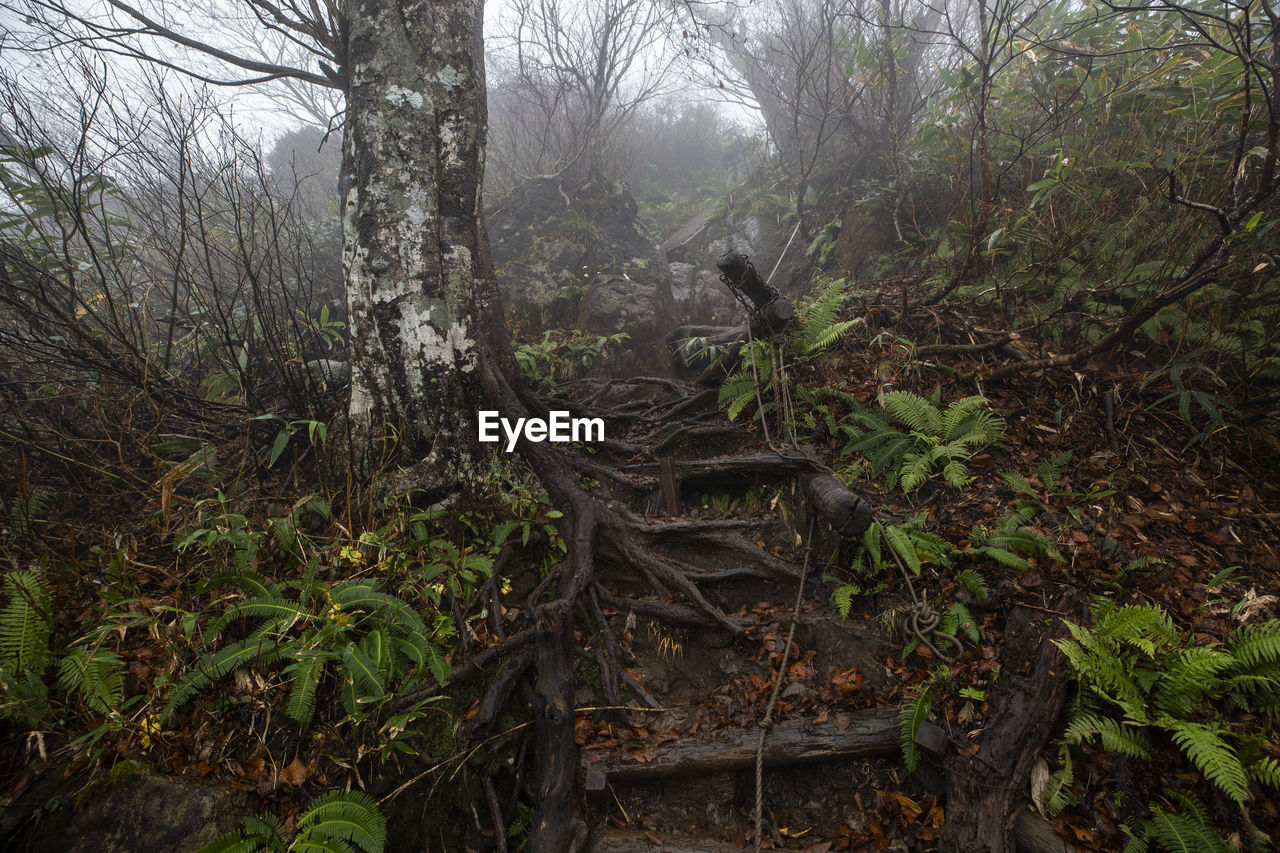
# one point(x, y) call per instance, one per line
point(420, 286)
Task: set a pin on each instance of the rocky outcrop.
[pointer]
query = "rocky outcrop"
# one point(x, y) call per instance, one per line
point(583, 260)
point(700, 296)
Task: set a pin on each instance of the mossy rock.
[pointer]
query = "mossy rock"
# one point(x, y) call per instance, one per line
point(866, 232)
point(134, 808)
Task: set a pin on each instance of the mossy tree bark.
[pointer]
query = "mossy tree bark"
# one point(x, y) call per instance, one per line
point(424, 313)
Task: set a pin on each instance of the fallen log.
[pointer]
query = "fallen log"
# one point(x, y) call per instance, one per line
point(983, 788)
point(705, 353)
point(1034, 834)
point(847, 513)
point(870, 734)
point(746, 467)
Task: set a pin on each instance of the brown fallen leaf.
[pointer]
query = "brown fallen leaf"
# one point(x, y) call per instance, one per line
point(295, 773)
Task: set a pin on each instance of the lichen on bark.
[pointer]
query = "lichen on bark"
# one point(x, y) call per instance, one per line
point(419, 283)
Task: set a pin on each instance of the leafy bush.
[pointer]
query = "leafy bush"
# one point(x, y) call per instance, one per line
point(1011, 538)
point(565, 354)
point(914, 545)
point(817, 327)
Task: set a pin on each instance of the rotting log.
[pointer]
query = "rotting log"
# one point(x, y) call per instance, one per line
point(849, 514)
point(556, 822)
point(870, 734)
point(983, 788)
point(1034, 834)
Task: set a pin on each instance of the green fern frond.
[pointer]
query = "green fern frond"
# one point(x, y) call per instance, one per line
point(816, 326)
point(911, 716)
point(842, 598)
point(1018, 482)
point(376, 646)
point(439, 667)
point(26, 622)
point(1057, 792)
point(912, 411)
point(315, 840)
point(95, 675)
point(212, 666)
point(1189, 676)
point(351, 816)
point(1188, 832)
point(1050, 470)
point(900, 542)
point(1256, 645)
point(363, 671)
point(305, 672)
point(1267, 771)
point(964, 622)
point(245, 579)
point(1003, 557)
point(366, 596)
point(265, 827)
point(1112, 734)
point(280, 611)
point(736, 393)
point(956, 474)
point(914, 470)
point(828, 337)
point(1203, 745)
point(256, 834)
point(974, 583)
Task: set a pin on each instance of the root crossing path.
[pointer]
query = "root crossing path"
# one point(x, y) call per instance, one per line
point(690, 687)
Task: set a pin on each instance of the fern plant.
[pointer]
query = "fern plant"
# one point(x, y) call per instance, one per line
point(914, 545)
point(816, 328)
point(26, 623)
point(912, 438)
point(911, 716)
point(818, 324)
point(369, 638)
point(1011, 540)
point(1187, 831)
point(1140, 679)
point(340, 822)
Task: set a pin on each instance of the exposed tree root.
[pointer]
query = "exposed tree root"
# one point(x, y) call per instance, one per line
point(594, 525)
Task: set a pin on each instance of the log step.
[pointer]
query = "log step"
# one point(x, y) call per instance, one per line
point(870, 734)
point(636, 841)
